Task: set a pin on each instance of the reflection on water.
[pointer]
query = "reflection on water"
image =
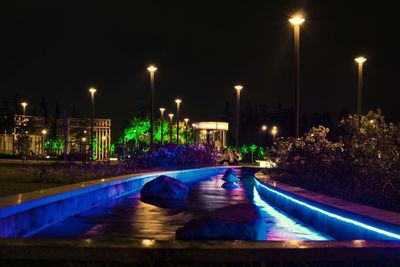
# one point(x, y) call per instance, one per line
point(130, 217)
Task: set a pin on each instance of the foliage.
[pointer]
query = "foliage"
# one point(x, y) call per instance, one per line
point(247, 152)
point(363, 166)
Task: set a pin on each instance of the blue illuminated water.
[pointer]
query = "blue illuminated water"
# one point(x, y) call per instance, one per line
point(129, 217)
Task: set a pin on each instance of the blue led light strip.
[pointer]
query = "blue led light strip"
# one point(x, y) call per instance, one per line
point(363, 225)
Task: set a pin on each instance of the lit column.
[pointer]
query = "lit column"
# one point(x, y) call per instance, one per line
point(170, 127)
point(44, 132)
point(152, 69)
point(238, 89)
point(194, 133)
point(162, 125)
point(360, 61)
point(92, 91)
point(296, 21)
point(186, 128)
point(178, 102)
point(24, 104)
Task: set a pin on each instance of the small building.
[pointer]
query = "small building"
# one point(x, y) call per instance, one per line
point(78, 136)
point(22, 135)
point(213, 133)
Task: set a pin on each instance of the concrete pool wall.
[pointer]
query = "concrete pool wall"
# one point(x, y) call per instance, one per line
point(343, 220)
point(25, 214)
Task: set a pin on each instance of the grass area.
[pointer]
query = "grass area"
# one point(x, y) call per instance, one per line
point(17, 177)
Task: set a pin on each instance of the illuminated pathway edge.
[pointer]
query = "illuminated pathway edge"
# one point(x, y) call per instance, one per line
point(340, 219)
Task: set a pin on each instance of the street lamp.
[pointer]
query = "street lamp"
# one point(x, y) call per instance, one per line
point(296, 21)
point(186, 128)
point(274, 131)
point(44, 132)
point(170, 127)
point(194, 133)
point(238, 89)
point(162, 125)
point(92, 91)
point(360, 61)
point(178, 102)
point(152, 69)
point(24, 104)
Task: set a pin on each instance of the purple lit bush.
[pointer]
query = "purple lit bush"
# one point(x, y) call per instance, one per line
point(362, 166)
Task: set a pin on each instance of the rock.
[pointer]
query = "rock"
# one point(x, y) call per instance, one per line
point(230, 171)
point(235, 222)
point(164, 187)
point(230, 178)
point(229, 185)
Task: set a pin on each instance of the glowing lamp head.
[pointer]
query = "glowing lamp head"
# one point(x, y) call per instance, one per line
point(238, 87)
point(264, 127)
point(162, 110)
point(92, 90)
point(103, 138)
point(193, 125)
point(296, 20)
point(152, 68)
point(178, 101)
point(24, 104)
point(186, 120)
point(360, 60)
point(171, 115)
point(44, 131)
point(83, 139)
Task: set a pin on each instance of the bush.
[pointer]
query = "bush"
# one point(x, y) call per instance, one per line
point(363, 166)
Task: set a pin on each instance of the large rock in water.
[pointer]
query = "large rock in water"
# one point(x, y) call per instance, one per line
point(164, 187)
point(235, 222)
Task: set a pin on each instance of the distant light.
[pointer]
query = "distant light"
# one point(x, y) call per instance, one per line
point(92, 90)
point(360, 60)
point(171, 115)
point(103, 137)
point(113, 159)
point(152, 68)
point(162, 109)
point(238, 87)
point(194, 125)
point(186, 120)
point(296, 20)
point(178, 101)
point(44, 131)
point(83, 139)
point(264, 127)
point(274, 130)
point(24, 104)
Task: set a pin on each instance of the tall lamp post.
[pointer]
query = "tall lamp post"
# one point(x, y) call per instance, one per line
point(186, 129)
point(92, 91)
point(296, 21)
point(274, 131)
point(194, 133)
point(44, 132)
point(24, 104)
point(162, 125)
point(178, 102)
point(152, 69)
point(360, 61)
point(238, 89)
point(170, 127)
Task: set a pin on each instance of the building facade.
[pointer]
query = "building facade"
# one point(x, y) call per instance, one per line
point(211, 132)
point(75, 132)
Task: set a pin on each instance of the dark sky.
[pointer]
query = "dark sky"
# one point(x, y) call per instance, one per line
point(201, 50)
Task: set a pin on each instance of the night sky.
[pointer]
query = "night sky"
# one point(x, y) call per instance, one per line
point(202, 49)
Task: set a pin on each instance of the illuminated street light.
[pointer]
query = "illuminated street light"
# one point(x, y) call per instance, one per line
point(44, 132)
point(162, 125)
point(360, 61)
point(178, 102)
point(238, 89)
point(264, 128)
point(186, 128)
point(92, 91)
point(170, 127)
point(296, 21)
point(152, 69)
point(274, 131)
point(24, 104)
